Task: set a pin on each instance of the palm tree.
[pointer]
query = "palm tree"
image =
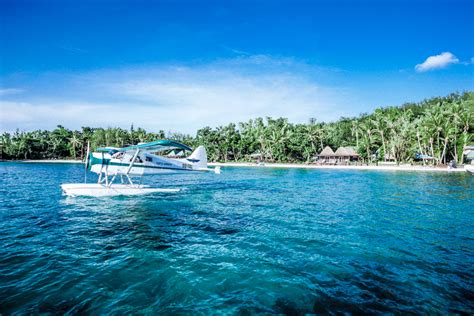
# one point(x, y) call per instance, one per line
point(314, 136)
point(367, 138)
point(434, 121)
point(449, 131)
point(419, 127)
point(260, 135)
point(140, 135)
point(379, 123)
point(401, 140)
point(279, 137)
point(75, 141)
point(462, 113)
point(355, 131)
point(6, 146)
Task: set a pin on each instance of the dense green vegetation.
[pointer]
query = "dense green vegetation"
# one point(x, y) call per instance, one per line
point(438, 127)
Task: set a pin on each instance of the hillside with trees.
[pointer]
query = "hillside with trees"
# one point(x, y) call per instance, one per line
point(438, 127)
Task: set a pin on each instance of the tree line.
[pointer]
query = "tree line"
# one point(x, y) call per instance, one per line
point(438, 128)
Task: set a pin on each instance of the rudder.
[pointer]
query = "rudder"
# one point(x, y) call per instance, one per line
point(199, 157)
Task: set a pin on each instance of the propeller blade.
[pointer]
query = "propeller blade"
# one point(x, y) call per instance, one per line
point(86, 162)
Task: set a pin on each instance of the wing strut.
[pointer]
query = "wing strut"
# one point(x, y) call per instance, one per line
point(132, 162)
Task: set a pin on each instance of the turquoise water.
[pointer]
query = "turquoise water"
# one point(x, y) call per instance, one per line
point(248, 241)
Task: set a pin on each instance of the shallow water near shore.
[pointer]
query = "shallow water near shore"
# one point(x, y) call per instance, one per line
point(247, 241)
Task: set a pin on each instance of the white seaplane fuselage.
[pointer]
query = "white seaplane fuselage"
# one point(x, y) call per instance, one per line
point(143, 164)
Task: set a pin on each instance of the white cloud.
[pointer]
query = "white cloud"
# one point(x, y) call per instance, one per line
point(9, 91)
point(180, 98)
point(437, 62)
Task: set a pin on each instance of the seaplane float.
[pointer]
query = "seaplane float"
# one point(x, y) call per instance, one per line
point(116, 167)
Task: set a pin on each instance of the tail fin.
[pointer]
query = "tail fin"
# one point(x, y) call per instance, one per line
point(199, 157)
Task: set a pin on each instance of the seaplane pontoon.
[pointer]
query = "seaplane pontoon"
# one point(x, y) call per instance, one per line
point(117, 166)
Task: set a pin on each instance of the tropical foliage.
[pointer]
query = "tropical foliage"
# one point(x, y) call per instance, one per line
point(438, 128)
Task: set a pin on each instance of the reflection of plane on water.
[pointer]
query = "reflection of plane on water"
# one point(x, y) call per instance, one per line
point(118, 164)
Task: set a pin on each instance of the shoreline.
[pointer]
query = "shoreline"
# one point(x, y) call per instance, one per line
point(72, 161)
point(349, 167)
point(278, 165)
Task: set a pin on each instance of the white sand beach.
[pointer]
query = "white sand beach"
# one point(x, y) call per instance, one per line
point(341, 167)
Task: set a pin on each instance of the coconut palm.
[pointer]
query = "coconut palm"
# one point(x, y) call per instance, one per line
point(74, 141)
point(379, 121)
point(366, 139)
point(355, 131)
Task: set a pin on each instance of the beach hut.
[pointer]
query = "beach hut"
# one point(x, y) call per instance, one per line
point(327, 155)
point(352, 153)
point(346, 154)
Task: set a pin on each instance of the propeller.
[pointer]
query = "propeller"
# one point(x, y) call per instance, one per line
point(86, 162)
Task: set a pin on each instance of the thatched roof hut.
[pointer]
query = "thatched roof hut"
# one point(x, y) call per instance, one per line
point(327, 152)
point(352, 151)
point(346, 152)
point(341, 152)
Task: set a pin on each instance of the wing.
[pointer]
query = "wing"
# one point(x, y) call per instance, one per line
point(107, 149)
point(157, 146)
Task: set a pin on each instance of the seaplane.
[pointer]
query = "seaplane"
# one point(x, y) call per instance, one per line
point(117, 167)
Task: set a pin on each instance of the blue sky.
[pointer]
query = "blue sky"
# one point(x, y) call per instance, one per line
point(181, 65)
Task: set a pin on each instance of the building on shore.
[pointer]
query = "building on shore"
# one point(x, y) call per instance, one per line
point(346, 155)
point(326, 156)
point(343, 155)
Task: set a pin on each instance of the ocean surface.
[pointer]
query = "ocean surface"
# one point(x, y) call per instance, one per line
point(248, 241)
